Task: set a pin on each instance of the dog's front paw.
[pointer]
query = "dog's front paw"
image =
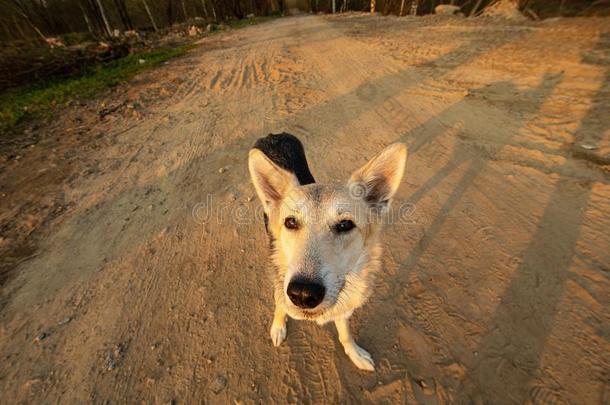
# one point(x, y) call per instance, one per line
point(360, 357)
point(278, 333)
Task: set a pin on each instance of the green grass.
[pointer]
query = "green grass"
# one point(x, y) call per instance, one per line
point(33, 100)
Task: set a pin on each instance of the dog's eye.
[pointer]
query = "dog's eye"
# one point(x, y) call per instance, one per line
point(291, 223)
point(344, 226)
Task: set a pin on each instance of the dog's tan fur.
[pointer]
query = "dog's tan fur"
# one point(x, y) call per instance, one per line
point(347, 262)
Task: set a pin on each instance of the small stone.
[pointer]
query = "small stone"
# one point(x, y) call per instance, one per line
point(141, 61)
point(41, 336)
point(222, 170)
point(66, 320)
point(428, 388)
point(588, 146)
point(219, 383)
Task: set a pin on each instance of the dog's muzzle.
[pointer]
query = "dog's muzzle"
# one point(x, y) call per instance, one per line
point(305, 294)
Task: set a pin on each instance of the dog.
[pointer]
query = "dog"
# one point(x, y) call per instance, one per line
point(324, 238)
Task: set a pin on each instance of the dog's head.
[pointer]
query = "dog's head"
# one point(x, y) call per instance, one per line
point(323, 235)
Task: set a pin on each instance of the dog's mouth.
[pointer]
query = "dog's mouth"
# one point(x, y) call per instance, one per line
point(312, 314)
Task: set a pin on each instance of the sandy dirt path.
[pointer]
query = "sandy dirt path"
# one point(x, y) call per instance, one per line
point(134, 261)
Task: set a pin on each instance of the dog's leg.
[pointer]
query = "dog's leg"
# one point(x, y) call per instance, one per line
point(360, 357)
point(278, 328)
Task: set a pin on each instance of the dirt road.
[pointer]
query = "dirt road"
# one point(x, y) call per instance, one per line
point(134, 264)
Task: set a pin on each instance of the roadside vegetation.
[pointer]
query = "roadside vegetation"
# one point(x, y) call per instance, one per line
point(43, 95)
point(41, 98)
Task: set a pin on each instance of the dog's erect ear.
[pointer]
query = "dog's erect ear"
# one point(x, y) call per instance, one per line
point(270, 181)
point(378, 180)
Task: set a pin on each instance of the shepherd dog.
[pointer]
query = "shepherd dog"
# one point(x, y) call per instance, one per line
point(324, 238)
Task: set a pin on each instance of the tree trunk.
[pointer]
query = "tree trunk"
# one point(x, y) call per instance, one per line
point(150, 16)
point(170, 13)
point(373, 3)
point(87, 22)
point(22, 11)
point(212, 6)
point(205, 10)
point(475, 8)
point(40, 9)
point(214, 12)
point(414, 6)
point(186, 17)
point(19, 30)
point(103, 14)
point(402, 8)
point(334, 6)
point(122, 10)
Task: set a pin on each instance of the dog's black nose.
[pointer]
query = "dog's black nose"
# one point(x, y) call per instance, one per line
point(305, 294)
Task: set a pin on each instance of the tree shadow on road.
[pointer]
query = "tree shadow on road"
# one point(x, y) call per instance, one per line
point(509, 353)
point(397, 304)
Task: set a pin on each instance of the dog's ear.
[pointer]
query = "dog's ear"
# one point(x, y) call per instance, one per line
point(271, 182)
point(378, 180)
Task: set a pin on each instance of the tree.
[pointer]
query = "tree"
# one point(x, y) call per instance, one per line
point(123, 15)
point(150, 16)
point(21, 9)
point(103, 17)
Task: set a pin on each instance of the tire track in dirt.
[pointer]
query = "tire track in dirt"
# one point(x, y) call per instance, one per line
point(311, 370)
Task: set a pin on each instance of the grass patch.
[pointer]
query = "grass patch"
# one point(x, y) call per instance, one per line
point(26, 101)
